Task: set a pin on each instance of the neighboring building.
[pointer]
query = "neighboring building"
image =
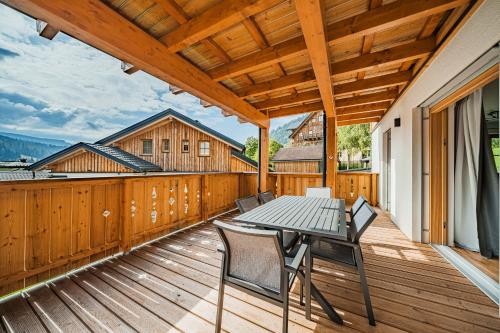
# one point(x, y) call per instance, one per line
point(309, 132)
point(306, 159)
point(14, 165)
point(167, 141)
point(305, 152)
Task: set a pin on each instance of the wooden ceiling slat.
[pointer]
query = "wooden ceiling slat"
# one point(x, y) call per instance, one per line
point(288, 100)
point(112, 33)
point(398, 54)
point(382, 18)
point(173, 9)
point(360, 115)
point(217, 18)
point(359, 121)
point(288, 81)
point(382, 81)
point(294, 110)
point(363, 108)
point(313, 27)
point(366, 99)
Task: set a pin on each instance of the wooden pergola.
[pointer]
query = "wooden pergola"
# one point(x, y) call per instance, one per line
point(262, 59)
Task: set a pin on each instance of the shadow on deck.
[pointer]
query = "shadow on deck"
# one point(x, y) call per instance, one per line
point(171, 285)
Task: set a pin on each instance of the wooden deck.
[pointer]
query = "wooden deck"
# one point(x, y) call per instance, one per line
point(171, 285)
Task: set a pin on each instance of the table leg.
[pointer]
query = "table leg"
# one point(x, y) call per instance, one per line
point(330, 311)
point(308, 283)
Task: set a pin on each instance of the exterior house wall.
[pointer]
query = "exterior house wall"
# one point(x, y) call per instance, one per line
point(310, 133)
point(176, 160)
point(86, 161)
point(298, 166)
point(479, 33)
point(238, 165)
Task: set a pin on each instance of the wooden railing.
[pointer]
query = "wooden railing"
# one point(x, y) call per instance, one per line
point(51, 226)
point(349, 185)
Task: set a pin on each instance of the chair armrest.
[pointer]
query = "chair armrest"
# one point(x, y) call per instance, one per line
point(297, 260)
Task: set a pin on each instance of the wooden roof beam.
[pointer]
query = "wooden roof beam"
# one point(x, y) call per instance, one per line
point(366, 99)
point(398, 54)
point(175, 90)
point(307, 96)
point(290, 111)
point(129, 68)
point(363, 108)
point(46, 30)
point(372, 21)
point(205, 104)
point(377, 82)
point(362, 115)
point(111, 33)
point(217, 18)
point(312, 22)
point(359, 121)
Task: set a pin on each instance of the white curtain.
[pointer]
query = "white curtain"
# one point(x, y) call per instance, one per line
point(467, 143)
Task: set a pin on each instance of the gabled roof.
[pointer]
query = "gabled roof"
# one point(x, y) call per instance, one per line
point(303, 153)
point(164, 115)
point(113, 153)
point(244, 158)
point(305, 121)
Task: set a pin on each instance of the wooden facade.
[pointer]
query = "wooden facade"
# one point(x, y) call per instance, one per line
point(298, 166)
point(87, 161)
point(309, 132)
point(175, 159)
point(174, 146)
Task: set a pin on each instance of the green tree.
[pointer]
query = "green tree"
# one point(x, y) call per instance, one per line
point(274, 146)
point(354, 138)
point(252, 148)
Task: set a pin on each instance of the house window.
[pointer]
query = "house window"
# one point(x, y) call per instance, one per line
point(314, 120)
point(185, 146)
point(320, 118)
point(147, 147)
point(310, 132)
point(204, 148)
point(301, 135)
point(165, 145)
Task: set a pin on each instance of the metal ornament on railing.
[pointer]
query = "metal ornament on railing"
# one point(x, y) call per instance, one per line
point(154, 214)
point(133, 208)
point(186, 206)
point(106, 213)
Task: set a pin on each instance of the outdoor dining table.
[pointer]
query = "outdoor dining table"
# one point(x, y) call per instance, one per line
point(319, 217)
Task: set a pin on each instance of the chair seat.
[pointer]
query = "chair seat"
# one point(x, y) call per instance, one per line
point(332, 251)
point(289, 239)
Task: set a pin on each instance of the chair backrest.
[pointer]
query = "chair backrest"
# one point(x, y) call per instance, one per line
point(319, 192)
point(247, 204)
point(254, 258)
point(265, 197)
point(363, 218)
point(357, 205)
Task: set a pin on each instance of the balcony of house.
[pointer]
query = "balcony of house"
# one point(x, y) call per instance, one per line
point(225, 244)
point(140, 253)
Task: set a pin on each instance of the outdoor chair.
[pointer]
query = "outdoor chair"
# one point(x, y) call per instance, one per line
point(356, 206)
point(348, 252)
point(254, 261)
point(246, 204)
point(319, 192)
point(266, 197)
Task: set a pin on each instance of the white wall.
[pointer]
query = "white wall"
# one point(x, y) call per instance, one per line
point(480, 33)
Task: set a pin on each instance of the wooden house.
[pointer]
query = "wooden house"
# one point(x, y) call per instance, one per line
point(168, 141)
point(309, 132)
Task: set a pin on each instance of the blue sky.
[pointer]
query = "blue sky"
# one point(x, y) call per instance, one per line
point(67, 90)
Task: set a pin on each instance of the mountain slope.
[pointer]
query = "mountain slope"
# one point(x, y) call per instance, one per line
point(281, 134)
point(12, 149)
point(52, 142)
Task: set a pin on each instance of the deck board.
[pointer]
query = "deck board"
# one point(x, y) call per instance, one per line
point(172, 285)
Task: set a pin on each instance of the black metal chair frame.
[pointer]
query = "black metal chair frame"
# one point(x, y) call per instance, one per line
point(265, 196)
point(353, 243)
point(288, 273)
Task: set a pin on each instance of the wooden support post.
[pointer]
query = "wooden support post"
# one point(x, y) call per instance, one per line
point(263, 159)
point(204, 197)
point(331, 153)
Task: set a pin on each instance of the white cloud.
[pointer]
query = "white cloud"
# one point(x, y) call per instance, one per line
point(86, 88)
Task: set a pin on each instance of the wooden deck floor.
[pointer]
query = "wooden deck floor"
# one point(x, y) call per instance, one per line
point(171, 285)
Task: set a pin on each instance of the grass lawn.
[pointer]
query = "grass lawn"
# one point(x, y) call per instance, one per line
point(496, 153)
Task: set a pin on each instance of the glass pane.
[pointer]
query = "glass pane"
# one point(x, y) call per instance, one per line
point(147, 147)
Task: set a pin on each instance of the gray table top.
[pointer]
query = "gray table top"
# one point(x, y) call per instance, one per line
point(313, 216)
